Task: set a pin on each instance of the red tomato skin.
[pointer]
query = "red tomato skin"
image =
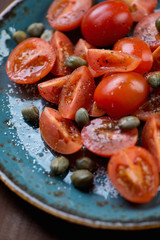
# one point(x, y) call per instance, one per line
point(77, 93)
point(81, 48)
point(63, 48)
point(147, 31)
point(60, 134)
point(106, 22)
point(138, 47)
point(103, 137)
point(121, 94)
point(150, 137)
point(51, 89)
point(133, 171)
point(30, 61)
point(66, 15)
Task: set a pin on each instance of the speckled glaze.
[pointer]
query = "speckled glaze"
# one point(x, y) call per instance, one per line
point(25, 159)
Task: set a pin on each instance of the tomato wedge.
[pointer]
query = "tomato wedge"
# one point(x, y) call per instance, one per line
point(96, 111)
point(156, 60)
point(133, 171)
point(103, 61)
point(103, 137)
point(81, 48)
point(147, 31)
point(60, 134)
point(30, 61)
point(66, 15)
point(77, 93)
point(63, 48)
point(150, 136)
point(51, 89)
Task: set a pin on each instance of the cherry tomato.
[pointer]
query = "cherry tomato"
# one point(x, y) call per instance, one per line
point(59, 133)
point(51, 89)
point(96, 111)
point(103, 137)
point(63, 48)
point(138, 47)
point(134, 173)
point(30, 61)
point(104, 61)
point(150, 136)
point(140, 8)
point(81, 48)
point(77, 93)
point(122, 93)
point(106, 22)
point(66, 15)
point(156, 59)
point(147, 31)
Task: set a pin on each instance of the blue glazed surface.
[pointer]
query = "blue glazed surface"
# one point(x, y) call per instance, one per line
point(25, 159)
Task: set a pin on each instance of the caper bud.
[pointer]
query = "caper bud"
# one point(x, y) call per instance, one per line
point(19, 36)
point(30, 113)
point(129, 122)
point(74, 62)
point(82, 178)
point(82, 117)
point(154, 80)
point(47, 34)
point(157, 24)
point(85, 163)
point(59, 165)
point(35, 29)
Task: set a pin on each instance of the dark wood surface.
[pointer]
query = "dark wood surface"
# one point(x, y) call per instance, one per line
point(21, 221)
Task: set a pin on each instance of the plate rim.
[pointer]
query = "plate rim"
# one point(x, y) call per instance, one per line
point(97, 224)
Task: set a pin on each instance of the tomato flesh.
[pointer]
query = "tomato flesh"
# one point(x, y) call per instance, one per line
point(134, 173)
point(60, 134)
point(103, 137)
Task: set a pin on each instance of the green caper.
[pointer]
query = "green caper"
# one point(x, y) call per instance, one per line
point(128, 122)
point(59, 165)
point(30, 113)
point(82, 117)
point(85, 163)
point(19, 36)
point(35, 29)
point(47, 34)
point(157, 24)
point(74, 62)
point(154, 80)
point(82, 178)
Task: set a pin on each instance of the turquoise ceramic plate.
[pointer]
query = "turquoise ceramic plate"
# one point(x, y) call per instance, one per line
point(25, 159)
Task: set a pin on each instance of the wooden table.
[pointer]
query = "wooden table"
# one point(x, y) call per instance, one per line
point(21, 221)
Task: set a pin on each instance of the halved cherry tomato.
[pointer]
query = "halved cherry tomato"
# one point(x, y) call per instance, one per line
point(106, 22)
point(51, 89)
point(96, 111)
point(66, 15)
point(133, 171)
point(59, 133)
point(77, 93)
point(63, 48)
point(140, 8)
point(30, 61)
point(122, 93)
point(147, 31)
point(150, 136)
point(102, 61)
point(156, 59)
point(138, 47)
point(103, 137)
point(81, 48)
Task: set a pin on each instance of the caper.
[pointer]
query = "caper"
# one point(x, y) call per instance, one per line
point(30, 113)
point(35, 29)
point(157, 24)
point(47, 34)
point(82, 178)
point(19, 36)
point(154, 80)
point(128, 122)
point(85, 163)
point(82, 117)
point(74, 62)
point(59, 165)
